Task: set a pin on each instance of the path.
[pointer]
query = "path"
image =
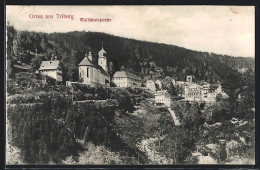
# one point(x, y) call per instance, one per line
point(147, 146)
point(176, 121)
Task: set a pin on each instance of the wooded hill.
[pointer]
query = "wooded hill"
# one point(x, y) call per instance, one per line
point(136, 56)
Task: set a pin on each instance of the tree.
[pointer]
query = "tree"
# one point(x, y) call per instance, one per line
point(124, 101)
point(36, 62)
point(231, 85)
point(9, 51)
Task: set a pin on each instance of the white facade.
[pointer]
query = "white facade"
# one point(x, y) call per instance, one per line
point(158, 82)
point(92, 74)
point(121, 81)
point(150, 85)
point(196, 92)
point(126, 79)
point(56, 74)
point(162, 96)
point(173, 82)
point(193, 92)
point(52, 69)
point(189, 79)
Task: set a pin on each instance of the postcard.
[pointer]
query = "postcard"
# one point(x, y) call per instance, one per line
point(130, 85)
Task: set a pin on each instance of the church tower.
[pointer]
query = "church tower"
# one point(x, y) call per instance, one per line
point(102, 60)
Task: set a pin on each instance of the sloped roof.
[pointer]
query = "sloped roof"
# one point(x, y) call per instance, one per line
point(150, 82)
point(86, 62)
point(123, 74)
point(102, 70)
point(162, 92)
point(49, 65)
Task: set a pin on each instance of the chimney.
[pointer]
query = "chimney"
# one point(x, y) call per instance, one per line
point(90, 56)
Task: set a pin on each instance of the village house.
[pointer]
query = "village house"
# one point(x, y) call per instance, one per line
point(94, 74)
point(159, 84)
point(180, 85)
point(173, 82)
point(162, 96)
point(197, 92)
point(126, 79)
point(193, 92)
point(189, 79)
point(150, 85)
point(52, 69)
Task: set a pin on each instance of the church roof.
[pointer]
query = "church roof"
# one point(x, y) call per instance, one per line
point(123, 74)
point(162, 92)
point(102, 70)
point(49, 65)
point(86, 62)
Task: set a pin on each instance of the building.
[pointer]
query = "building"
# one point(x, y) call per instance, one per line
point(94, 74)
point(126, 79)
point(162, 96)
point(180, 86)
point(197, 92)
point(150, 85)
point(52, 69)
point(173, 82)
point(219, 90)
point(193, 92)
point(159, 84)
point(189, 79)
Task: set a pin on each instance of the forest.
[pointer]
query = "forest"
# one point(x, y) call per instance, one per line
point(139, 57)
point(51, 124)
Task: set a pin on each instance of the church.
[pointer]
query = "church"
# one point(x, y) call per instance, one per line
point(94, 74)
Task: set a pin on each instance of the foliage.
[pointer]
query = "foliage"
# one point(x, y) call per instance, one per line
point(45, 127)
point(231, 86)
point(136, 56)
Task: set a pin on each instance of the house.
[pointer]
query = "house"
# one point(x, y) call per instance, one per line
point(126, 79)
point(162, 96)
point(173, 82)
point(94, 74)
point(52, 69)
point(189, 79)
point(150, 85)
point(159, 84)
point(196, 92)
point(180, 85)
point(193, 92)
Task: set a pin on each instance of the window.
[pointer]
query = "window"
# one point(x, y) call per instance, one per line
point(87, 72)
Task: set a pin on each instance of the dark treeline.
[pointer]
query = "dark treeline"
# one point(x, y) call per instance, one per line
point(139, 57)
point(45, 123)
point(46, 129)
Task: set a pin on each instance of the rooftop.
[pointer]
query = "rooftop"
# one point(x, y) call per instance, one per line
point(49, 65)
point(87, 62)
point(162, 92)
point(123, 74)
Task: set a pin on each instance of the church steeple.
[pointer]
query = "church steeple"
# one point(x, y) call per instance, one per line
point(102, 60)
point(102, 52)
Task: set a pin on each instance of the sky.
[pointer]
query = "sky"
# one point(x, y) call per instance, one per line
point(227, 30)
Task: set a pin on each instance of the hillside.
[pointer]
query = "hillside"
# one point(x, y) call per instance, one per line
point(49, 123)
point(141, 57)
point(136, 56)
